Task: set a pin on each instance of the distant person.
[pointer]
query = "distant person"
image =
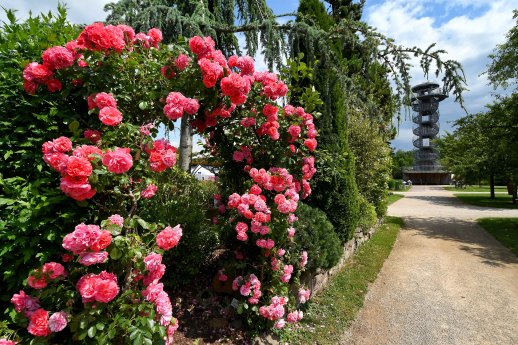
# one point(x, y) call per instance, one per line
point(409, 182)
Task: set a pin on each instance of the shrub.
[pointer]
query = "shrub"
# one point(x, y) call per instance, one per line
point(316, 235)
point(336, 193)
point(235, 108)
point(186, 201)
point(368, 214)
point(34, 211)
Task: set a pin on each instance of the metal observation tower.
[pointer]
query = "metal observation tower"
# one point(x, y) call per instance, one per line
point(425, 103)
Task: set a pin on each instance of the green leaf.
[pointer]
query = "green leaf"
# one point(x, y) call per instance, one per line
point(92, 331)
point(74, 126)
point(138, 339)
point(115, 253)
point(143, 223)
point(99, 326)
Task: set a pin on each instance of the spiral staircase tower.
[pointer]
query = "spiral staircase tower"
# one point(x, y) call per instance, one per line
point(425, 102)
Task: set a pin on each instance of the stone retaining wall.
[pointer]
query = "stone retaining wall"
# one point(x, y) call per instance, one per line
point(317, 280)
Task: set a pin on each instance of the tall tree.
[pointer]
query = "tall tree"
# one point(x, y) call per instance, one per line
point(503, 69)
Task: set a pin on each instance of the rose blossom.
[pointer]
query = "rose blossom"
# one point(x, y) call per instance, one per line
point(116, 220)
point(25, 303)
point(110, 116)
point(149, 191)
point(38, 323)
point(106, 290)
point(169, 237)
point(4, 341)
point(92, 135)
point(182, 61)
point(118, 161)
point(103, 100)
point(92, 258)
point(54, 270)
point(78, 167)
point(58, 321)
point(37, 283)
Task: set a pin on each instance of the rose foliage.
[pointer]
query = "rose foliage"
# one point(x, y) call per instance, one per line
point(106, 287)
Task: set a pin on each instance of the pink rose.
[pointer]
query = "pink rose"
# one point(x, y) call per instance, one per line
point(39, 323)
point(110, 116)
point(25, 303)
point(182, 61)
point(279, 324)
point(62, 144)
point(116, 220)
point(87, 285)
point(152, 291)
point(118, 161)
point(106, 290)
point(57, 58)
point(37, 280)
point(149, 192)
point(4, 341)
point(88, 151)
point(78, 167)
point(54, 85)
point(169, 237)
point(103, 241)
point(54, 270)
point(93, 258)
point(58, 321)
point(92, 135)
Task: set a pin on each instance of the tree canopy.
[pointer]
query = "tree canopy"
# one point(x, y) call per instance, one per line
point(262, 30)
point(503, 69)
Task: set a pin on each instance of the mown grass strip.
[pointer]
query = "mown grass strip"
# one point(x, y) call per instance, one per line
point(481, 189)
point(392, 198)
point(333, 310)
point(500, 200)
point(505, 230)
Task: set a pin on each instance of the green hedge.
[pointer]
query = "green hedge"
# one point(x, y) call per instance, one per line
point(316, 235)
point(35, 213)
point(335, 192)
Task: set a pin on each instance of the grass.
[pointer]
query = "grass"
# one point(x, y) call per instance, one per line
point(392, 198)
point(500, 200)
point(334, 308)
point(505, 230)
point(481, 189)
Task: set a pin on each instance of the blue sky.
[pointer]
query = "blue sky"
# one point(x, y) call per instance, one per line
point(467, 29)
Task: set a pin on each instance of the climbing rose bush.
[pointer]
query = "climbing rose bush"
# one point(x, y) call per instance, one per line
point(108, 283)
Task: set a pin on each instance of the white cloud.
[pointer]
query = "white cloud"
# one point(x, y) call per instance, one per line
point(471, 32)
point(79, 11)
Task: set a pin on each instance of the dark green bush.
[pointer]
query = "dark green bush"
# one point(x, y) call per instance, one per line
point(182, 199)
point(35, 214)
point(316, 235)
point(392, 184)
point(335, 192)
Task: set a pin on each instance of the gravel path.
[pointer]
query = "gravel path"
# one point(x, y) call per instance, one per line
point(447, 281)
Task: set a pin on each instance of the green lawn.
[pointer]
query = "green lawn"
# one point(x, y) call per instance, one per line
point(333, 310)
point(476, 189)
point(392, 198)
point(500, 201)
point(505, 230)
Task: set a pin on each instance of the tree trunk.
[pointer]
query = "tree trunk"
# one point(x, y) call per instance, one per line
point(492, 185)
point(515, 193)
point(185, 144)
